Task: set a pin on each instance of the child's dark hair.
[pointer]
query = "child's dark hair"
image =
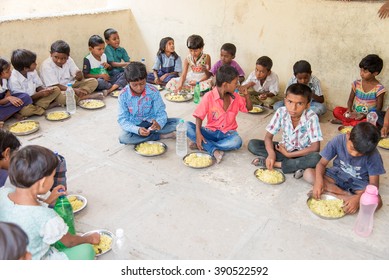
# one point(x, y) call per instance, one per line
point(22, 58)
point(135, 71)
point(60, 46)
point(226, 73)
point(162, 45)
point(4, 64)
point(13, 241)
point(300, 89)
point(30, 164)
point(265, 61)
point(365, 137)
point(302, 66)
point(230, 48)
point(8, 140)
point(95, 40)
point(372, 63)
point(195, 42)
point(108, 32)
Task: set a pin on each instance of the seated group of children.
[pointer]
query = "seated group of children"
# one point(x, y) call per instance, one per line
point(24, 92)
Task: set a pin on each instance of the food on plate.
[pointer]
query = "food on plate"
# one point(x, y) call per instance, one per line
point(384, 143)
point(346, 129)
point(256, 110)
point(92, 104)
point(104, 245)
point(75, 202)
point(175, 97)
point(195, 160)
point(269, 176)
point(22, 127)
point(330, 208)
point(150, 148)
point(55, 116)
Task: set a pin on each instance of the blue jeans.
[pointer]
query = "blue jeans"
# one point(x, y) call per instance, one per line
point(216, 140)
point(317, 107)
point(289, 165)
point(345, 181)
point(133, 138)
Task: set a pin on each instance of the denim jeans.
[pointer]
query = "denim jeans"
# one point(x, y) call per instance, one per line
point(216, 140)
point(289, 165)
point(317, 107)
point(133, 138)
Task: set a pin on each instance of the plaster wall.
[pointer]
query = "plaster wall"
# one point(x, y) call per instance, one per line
point(332, 35)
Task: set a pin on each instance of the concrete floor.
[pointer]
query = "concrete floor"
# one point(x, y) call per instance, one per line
point(170, 211)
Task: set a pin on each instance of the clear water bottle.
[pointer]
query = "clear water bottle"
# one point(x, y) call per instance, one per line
point(196, 94)
point(120, 246)
point(372, 118)
point(70, 99)
point(367, 206)
point(65, 211)
point(181, 139)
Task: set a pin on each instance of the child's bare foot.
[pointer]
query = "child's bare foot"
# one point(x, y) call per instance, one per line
point(171, 135)
point(96, 95)
point(19, 117)
point(105, 92)
point(1, 125)
point(53, 105)
point(192, 145)
point(335, 121)
point(218, 155)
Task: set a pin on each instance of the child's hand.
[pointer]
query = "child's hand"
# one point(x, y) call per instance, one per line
point(317, 191)
point(384, 131)
point(55, 194)
point(93, 238)
point(105, 77)
point(281, 148)
point(243, 91)
point(106, 65)
point(80, 92)
point(155, 125)
point(262, 96)
point(143, 131)
point(158, 81)
point(270, 161)
point(17, 102)
point(199, 140)
point(351, 205)
point(192, 82)
point(79, 76)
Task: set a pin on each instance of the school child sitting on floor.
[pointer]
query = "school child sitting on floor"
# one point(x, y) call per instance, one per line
point(262, 83)
point(196, 68)
point(227, 55)
point(24, 78)
point(96, 66)
point(142, 113)
point(167, 64)
point(31, 171)
point(303, 75)
point(13, 242)
point(301, 136)
point(356, 164)
point(59, 69)
point(220, 106)
point(367, 94)
point(10, 104)
point(117, 56)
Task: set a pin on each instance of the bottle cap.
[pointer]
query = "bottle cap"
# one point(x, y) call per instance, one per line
point(70, 85)
point(182, 121)
point(370, 196)
point(119, 232)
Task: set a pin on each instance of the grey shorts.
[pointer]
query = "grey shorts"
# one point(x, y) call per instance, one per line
point(346, 181)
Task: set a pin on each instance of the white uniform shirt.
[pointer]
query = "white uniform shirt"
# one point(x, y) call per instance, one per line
point(271, 83)
point(19, 83)
point(52, 74)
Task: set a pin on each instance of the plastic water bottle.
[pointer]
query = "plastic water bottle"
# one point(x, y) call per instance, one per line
point(196, 94)
point(181, 139)
point(372, 118)
point(120, 247)
point(367, 206)
point(65, 211)
point(70, 100)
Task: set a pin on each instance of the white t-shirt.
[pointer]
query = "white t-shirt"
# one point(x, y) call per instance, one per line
point(19, 83)
point(52, 74)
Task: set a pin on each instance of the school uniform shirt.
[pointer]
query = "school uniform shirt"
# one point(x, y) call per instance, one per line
point(306, 132)
point(133, 109)
point(271, 83)
point(18, 83)
point(164, 61)
point(3, 86)
point(234, 64)
point(358, 167)
point(51, 74)
point(93, 66)
point(211, 106)
point(314, 84)
point(116, 55)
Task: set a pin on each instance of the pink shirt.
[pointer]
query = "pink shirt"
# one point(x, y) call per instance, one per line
point(217, 119)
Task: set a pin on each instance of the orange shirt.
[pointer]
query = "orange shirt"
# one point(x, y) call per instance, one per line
point(217, 119)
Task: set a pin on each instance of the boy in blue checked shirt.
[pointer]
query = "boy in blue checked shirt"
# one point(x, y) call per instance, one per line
point(142, 114)
point(300, 144)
